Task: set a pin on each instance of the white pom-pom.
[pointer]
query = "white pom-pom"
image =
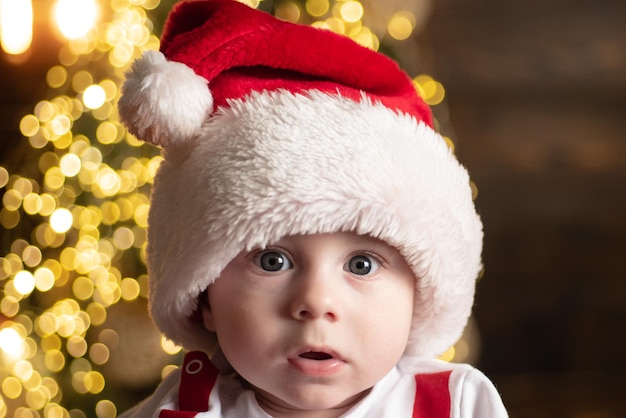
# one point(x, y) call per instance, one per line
point(164, 102)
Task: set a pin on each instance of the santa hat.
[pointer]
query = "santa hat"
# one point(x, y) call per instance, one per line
point(272, 129)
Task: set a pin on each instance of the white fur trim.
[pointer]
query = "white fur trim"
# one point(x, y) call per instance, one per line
point(278, 164)
point(164, 102)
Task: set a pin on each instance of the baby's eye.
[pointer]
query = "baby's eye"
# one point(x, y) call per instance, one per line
point(272, 261)
point(361, 265)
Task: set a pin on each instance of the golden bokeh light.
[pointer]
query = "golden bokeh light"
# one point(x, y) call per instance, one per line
point(61, 220)
point(16, 25)
point(4, 176)
point(81, 80)
point(99, 353)
point(106, 409)
point(31, 256)
point(351, 11)
point(401, 25)
point(11, 387)
point(70, 165)
point(289, 11)
point(11, 342)
point(317, 8)
point(75, 17)
point(431, 90)
point(24, 282)
point(167, 370)
point(29, 125)
point(56, 76)
point(76, 346)
point(94, 96)
point(130, 289)
point(169, 347)
point(32, 203)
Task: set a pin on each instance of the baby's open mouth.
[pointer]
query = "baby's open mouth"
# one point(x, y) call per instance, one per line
point(318, 362)
point(316, 355)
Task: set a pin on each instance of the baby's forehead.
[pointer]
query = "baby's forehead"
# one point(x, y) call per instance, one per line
point(339, 238)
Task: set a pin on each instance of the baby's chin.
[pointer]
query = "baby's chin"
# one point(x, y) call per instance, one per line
point(324, 403)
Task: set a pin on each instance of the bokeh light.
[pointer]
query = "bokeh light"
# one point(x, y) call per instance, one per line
point(401, 25)
point(61, 220)
point(317, 8)
point(16, 25)
point(75, 17)
point(11, 342)
point(94, 96)
point(351, 11)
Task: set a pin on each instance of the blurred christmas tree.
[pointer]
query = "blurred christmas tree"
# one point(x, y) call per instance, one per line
point(75, 339)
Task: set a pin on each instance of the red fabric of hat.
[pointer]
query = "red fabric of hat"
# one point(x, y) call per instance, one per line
point(255, 52)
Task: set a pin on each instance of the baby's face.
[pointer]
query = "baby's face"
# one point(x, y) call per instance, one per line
point(313, 321)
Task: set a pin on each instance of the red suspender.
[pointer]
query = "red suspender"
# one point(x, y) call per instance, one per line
point(197, 378)
point(432, 396)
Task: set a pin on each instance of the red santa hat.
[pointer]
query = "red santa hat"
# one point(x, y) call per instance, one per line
point(272, 129)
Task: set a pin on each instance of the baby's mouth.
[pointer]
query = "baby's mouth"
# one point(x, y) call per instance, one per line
point(318, 362)
point(316, 355)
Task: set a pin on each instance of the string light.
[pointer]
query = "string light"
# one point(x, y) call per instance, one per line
point(76, 228)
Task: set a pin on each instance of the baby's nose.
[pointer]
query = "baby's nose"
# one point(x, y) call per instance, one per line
point(315, 296)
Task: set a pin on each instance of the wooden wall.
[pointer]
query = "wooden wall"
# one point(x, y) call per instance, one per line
point(536, 94)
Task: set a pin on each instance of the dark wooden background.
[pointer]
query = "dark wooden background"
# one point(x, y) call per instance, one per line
point(536, 96)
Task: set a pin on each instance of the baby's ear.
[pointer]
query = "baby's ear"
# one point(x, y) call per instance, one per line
point(205, 310)
point(207, 317)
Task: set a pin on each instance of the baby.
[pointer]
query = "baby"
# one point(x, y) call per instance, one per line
point(312, 241)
